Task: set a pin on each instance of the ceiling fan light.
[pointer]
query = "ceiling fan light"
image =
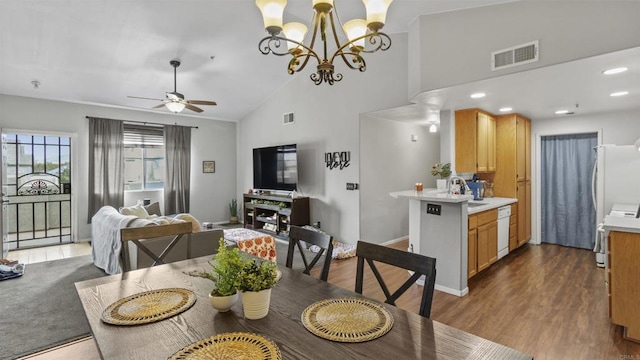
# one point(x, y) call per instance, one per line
point(295, 31)
point(175, 107)
point(272, 11)
point(354, 29)
point(376, 13)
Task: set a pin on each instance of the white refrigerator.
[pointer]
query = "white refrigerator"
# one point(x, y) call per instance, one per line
point(616, 180)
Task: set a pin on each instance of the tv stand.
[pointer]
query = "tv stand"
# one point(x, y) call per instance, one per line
point(272, 214)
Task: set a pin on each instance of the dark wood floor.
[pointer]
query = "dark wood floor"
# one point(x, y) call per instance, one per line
point(546, 300)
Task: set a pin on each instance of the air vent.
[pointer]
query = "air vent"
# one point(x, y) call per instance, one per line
point(288, 118)
point(514, 56)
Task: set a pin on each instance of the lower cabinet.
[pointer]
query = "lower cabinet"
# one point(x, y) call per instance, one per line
point(482, 241)
point(513, 228)
point(623, 275)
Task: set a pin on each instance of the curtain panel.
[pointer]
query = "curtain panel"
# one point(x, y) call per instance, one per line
point(177, 143)
point(106, 164)
point(567, 214)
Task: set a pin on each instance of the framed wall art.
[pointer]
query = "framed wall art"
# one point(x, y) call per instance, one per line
point(208, 167)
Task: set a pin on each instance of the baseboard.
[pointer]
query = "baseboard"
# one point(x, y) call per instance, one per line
point(448, 290)
point(393, 241)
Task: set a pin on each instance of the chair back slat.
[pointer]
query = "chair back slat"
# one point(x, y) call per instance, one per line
point(311, 237)
point(419, 264)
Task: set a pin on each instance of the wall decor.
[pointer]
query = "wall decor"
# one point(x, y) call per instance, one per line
point(337, 159)
point(208, 167)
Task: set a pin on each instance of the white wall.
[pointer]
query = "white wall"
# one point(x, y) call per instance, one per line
point(455, 47)
point(326, 120)
point(619, 128)
point(390, 161)
point(214, 140)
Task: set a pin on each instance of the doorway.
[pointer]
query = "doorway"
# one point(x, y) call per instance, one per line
point(37, 182)
point(567, 211)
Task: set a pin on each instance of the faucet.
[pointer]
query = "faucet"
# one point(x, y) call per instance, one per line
point(452, 179)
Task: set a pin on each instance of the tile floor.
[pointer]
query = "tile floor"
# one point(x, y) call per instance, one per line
point(48, 253)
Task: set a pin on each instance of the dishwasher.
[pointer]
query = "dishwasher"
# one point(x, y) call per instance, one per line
point(503, 230)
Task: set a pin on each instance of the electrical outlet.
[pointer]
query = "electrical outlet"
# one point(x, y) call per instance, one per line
point(434, 209)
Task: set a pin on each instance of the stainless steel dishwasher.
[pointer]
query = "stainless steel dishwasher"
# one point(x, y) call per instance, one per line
point(503, 230)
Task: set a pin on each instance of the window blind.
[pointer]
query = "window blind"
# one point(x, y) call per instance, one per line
point(143, 136)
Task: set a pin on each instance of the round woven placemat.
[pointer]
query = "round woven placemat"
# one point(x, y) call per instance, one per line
point(237, 346)
point(149, 306)
point(347, 319)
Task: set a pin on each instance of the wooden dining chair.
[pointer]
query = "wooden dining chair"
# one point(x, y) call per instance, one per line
point(312, 237)
point(419, 264)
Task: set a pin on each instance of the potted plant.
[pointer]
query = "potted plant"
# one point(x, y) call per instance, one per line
point(443, 171)
point(254, 281)
point(225, 266)
point(233, 210)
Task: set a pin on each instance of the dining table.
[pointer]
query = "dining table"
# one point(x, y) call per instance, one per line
point(411, 336)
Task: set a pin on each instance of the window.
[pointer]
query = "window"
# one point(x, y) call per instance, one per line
point(143, 157)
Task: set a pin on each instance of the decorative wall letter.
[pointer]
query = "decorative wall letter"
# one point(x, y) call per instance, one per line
point(337, 159)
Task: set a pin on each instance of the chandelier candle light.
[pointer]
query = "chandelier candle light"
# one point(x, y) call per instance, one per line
point(324, 25)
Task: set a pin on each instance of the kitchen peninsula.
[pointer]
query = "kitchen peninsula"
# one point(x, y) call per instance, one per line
point(438, 228)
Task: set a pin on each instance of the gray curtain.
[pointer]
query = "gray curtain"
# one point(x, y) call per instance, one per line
point(568, 216)
point(177, 143)
point(106, 164)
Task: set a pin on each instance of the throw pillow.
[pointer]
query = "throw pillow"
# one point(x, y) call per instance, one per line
point(194, 222)
point(136, 210)
point(153, 209)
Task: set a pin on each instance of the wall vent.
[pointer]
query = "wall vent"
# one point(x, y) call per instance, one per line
point(514, 56)
point(288, 118)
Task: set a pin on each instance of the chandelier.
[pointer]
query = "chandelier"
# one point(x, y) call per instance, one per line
point(357, 31)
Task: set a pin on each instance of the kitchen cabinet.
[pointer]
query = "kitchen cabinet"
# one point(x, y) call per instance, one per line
point(512, 177)
point(623, 289)
point(513, 227)
point(475, 141)
point(483, 241)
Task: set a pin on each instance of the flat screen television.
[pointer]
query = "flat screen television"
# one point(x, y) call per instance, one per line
point(275, 168)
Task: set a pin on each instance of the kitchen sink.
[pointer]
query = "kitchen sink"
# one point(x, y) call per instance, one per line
point(475, 204)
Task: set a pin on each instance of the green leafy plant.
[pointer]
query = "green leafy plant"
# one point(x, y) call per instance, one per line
point(225, 267)
point(256, 275)
point(233, 207)
point(442, 170)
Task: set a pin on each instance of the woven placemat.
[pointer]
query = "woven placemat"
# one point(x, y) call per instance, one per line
point(237, 346)
point(149, 306)
point(347, 319)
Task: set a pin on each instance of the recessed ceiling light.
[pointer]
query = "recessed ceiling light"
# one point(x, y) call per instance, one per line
point(562, 112)
point(478, 95)
point(615, 71)
point(505, 109)
point(619, 93)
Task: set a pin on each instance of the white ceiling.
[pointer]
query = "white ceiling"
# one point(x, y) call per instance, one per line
point(101, 51)
point(577, 86)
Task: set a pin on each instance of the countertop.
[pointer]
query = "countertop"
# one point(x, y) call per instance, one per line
point(490, 203)
point(624, 224)
point(436, 196)
point(431, 195)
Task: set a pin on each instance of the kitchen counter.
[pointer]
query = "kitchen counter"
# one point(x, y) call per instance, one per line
point(474, 206)
point(623, 224)
point(431, 195)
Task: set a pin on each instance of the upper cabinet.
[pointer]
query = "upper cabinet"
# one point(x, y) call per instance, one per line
point(475, 141)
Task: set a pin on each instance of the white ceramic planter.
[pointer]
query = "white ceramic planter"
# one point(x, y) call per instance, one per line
point(441, 184)
point(256, 303)
point(223, 303)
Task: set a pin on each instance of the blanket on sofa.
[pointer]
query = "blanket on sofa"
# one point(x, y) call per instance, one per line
point(105, 237)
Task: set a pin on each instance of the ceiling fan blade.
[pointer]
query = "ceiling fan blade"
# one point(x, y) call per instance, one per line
point(158, 106)
point(193, 108)
point(201, 102)
point(143, 98)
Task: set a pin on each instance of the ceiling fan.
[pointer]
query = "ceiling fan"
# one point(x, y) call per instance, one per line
point(174, 100)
